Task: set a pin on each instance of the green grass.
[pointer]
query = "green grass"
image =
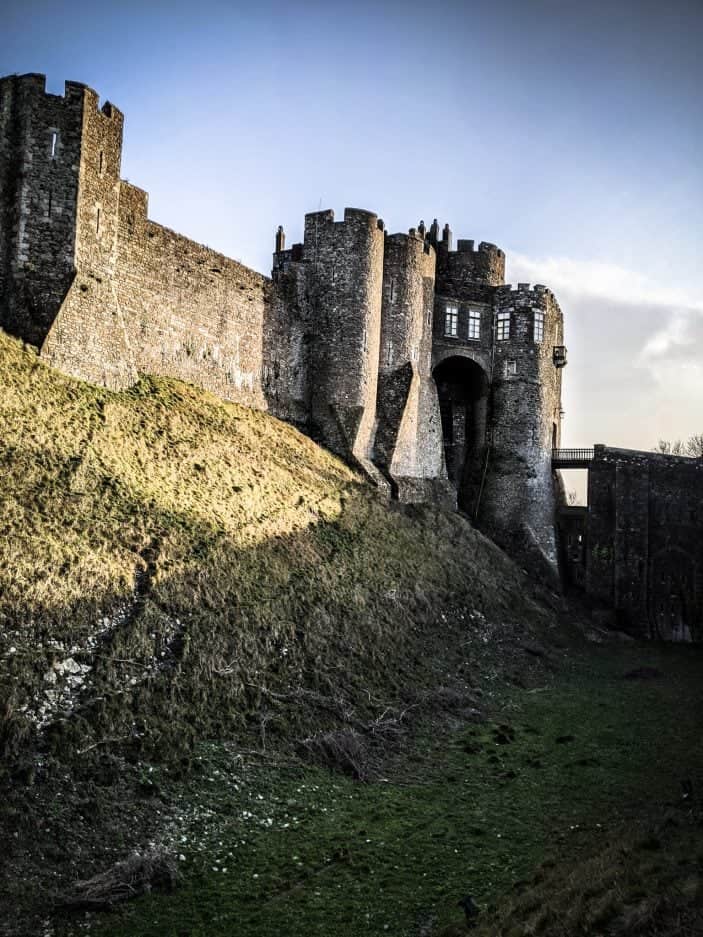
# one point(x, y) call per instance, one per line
point(273, 850)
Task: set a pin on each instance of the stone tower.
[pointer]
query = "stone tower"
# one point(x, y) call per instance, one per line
point(408, 443)
point(60, 161)
point(41, 140)
point(519, 499)
point(497, 356)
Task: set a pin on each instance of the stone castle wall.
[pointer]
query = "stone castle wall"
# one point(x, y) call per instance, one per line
point(644, 541)
point(190, 312)
point(344, 340)
point(142, 298)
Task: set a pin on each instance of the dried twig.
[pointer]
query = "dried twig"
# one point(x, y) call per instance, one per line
point(133, 876)
point(88, 748)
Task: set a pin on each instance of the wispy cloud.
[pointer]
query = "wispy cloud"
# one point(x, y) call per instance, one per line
point(635, 347)
point(599, 281)
point(679, 331)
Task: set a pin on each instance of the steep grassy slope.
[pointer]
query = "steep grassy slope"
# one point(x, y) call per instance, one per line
point(167, 559)
point(192, 593)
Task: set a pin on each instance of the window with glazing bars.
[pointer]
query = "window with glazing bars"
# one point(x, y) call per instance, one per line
point(451, 320)
point(503, 329)
point(539, 326)
point(474, 323)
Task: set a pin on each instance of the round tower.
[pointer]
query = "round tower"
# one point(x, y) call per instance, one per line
point(344, 263)
point(517, 504)
point(408, 288)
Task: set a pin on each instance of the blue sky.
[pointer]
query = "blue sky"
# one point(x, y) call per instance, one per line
point(568, 133)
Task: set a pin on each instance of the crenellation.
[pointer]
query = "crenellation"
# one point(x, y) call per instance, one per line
point(469, 273)
point(518, 290)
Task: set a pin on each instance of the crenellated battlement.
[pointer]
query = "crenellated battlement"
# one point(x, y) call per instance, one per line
point(32, 81)
point(468, 273)
point(108, 110)
point(325, 217)
point(29, 95)
point(324, 238)
point(466, 246)
point(414, 240)
point(523, 296)
point(524, 288)
point(33, 84)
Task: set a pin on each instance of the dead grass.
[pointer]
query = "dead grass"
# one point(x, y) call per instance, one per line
point(343, 750)
point(141, 872)
point(193, 555)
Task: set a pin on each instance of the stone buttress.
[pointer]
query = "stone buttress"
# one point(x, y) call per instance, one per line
point(408, 445)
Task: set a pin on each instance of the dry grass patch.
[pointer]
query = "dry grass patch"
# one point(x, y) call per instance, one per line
point(140, 873)
point(164, 556)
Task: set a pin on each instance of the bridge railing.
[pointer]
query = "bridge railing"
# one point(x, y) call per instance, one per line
point(579, 456)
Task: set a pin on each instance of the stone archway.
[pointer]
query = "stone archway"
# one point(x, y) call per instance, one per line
point(462, 387)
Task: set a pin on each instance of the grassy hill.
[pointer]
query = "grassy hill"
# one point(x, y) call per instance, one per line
point(166, 558)
point(336, 713)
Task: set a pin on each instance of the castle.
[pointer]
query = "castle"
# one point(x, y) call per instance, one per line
point(409, 358)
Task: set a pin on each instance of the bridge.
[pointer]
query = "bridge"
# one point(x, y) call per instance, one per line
point(571, 458)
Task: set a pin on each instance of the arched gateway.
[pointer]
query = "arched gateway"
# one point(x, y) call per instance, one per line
point(462, 386)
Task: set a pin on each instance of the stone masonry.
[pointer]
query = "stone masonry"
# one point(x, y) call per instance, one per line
point(411, 359)
point(637, 549)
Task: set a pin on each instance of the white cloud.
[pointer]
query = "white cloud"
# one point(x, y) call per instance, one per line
point(676, 333)
point(682, 312)
point(635, 350)
point(599, 281)
point(681, 381)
